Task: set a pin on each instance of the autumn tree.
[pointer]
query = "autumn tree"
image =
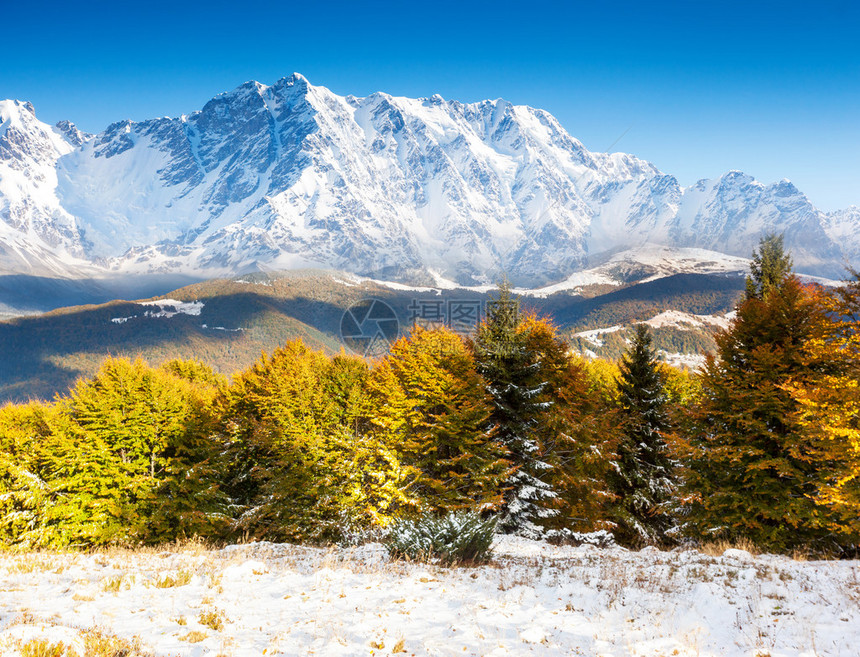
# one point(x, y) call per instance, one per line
point(575, 431)
point(301, 463)
point(749, 470)
point(29, 452)
point(59, 486)
point(828, 409)
point(122, 459)
point(189, 499)
point(430, 403)
point(152, 426)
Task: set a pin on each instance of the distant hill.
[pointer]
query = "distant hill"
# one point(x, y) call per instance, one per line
point(228, 322)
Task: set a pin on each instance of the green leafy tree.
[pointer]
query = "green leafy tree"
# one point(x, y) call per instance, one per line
point(130, 408)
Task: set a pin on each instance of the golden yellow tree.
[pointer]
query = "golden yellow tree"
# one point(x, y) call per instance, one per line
point(302, 464)
point(27, 467)
point(829, 406)
point(430, 404)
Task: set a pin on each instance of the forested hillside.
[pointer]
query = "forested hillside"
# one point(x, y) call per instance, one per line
point(239, 318)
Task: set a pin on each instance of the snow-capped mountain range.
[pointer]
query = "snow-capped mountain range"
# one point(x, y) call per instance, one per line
point(293, 175)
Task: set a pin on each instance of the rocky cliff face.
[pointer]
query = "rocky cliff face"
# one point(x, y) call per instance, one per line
point(288, 175)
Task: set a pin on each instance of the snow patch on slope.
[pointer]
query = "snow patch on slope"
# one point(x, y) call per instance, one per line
point(682, 320)
point(595, 336)
point(166, 308)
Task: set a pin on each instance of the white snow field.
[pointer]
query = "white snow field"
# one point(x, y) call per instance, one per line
point(533, 599)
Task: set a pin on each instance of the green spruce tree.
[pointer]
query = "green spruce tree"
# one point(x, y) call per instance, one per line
point(643, 477)
point(512, 370)
point(769, 267)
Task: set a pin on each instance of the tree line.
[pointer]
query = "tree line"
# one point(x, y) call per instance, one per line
point(762, 445)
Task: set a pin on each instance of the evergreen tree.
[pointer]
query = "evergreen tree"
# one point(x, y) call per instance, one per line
point(749, 472)
point(769, 267)
point(512, 370)
point(642, 479)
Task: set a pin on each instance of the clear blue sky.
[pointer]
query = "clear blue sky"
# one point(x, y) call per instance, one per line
point(770, 88)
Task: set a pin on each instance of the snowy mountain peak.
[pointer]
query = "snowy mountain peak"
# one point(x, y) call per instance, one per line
point(16, 114)
point(295, 79)
point(291, 174)
point(37, 236)
point(11, 107)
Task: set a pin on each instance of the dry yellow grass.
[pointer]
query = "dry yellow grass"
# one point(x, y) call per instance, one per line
point(717, 548)
point(212, 618)
point(96, 643)
point(194, 636)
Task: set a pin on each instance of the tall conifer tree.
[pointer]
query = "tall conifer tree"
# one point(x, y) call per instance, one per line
point(643, 477)
point(511, 368)
point(749, 473)
point(769, 267)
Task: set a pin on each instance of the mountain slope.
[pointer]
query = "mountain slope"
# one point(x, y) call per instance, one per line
point(226, 323)
point(37, 236)
point(292, 175)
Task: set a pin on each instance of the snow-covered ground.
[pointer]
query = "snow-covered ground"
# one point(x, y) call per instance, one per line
point(533, 599)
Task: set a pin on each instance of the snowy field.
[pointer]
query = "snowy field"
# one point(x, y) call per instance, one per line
point(533, 599)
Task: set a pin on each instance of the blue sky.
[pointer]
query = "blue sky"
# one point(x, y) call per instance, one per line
point(698, 88)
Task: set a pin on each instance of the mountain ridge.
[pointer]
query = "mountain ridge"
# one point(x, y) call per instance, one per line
point(268, 177)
